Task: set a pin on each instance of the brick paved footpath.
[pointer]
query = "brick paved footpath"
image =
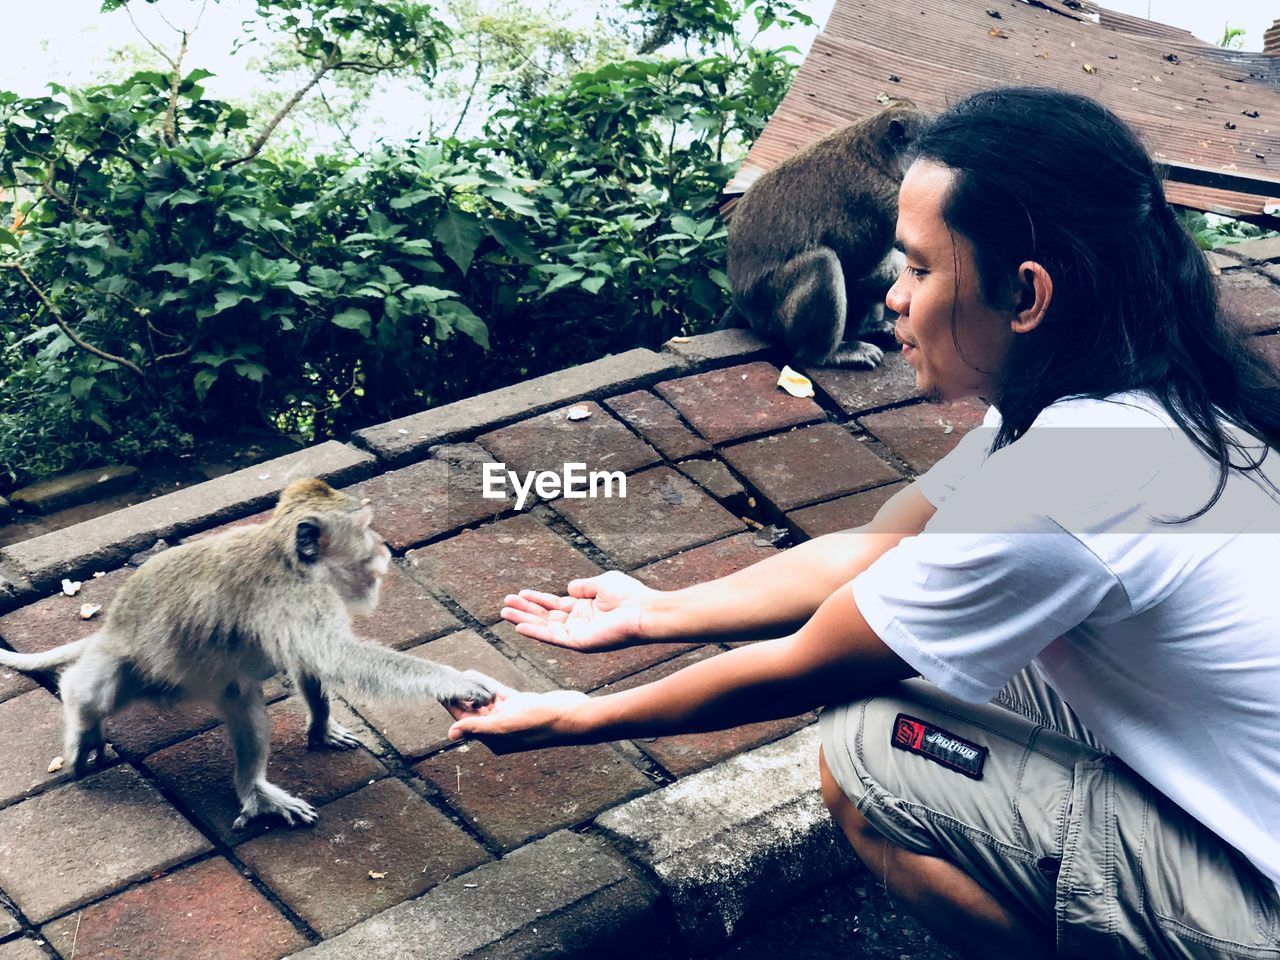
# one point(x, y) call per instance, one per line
point(425, 849)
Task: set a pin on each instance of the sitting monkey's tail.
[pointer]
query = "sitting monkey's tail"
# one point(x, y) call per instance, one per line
point(49, 660)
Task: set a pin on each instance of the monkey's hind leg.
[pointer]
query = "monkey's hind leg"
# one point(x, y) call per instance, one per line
point(323, 731)
point(249, 731)
point(809, 293)
point(91, 689)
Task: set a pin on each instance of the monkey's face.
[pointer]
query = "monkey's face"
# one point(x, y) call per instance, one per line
point(939, 283)
point(342, 547)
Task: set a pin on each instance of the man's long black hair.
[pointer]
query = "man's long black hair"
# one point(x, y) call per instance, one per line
point(1057, 178)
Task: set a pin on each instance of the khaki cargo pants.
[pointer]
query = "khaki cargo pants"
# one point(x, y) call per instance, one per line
point(1054, 823)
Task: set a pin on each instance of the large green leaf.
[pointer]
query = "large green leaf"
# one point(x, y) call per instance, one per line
point(459, 233)
point(354, 318)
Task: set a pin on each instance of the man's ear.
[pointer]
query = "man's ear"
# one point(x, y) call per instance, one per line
point(307, 541)
point(1035, 292)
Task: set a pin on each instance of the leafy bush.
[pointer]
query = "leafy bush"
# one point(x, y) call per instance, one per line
point(169, 276)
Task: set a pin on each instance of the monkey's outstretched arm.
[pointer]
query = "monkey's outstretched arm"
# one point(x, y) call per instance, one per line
point(366, 670)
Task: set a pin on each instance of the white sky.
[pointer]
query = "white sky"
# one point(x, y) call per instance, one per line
point(70, 42)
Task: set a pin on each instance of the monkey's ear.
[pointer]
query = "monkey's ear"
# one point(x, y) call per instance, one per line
point(307, 541)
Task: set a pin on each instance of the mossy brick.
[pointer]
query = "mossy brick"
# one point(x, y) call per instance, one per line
point(924, 433)
point(479, 567)
point(567, 895)
point(737, 402)
point(103, 541)
point(1267, 248)
point(546, 443)
point(8, 924)
point(858, 391)
point(708, 562)
point(416, 728)
point(22, 949)
point(1219, 260)
point(408, 438)
point(691, 752)
point(844, 513)
point(662, 513)
point(1251, 298)
point(657, 421)
point(72, 489)
point(513, 798)
point(56, 620)
point(31, 728)
point(325, 873)
point(85, 839)
point(800, 467)
point(407, 613)
point(734, 840)
point(427, 500)
point(720, 346)
point(197, 912)
point(197, 772)
point(575, 670)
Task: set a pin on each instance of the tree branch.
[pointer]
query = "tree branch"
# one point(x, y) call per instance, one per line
point(171, 114)
point(71, 334)
point(283, 112)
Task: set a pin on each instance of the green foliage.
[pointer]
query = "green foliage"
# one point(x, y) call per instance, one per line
point(163, 280)
point(1212, 231)
point(1232, 37)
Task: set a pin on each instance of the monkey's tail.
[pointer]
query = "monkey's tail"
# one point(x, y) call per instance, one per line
point(731, 319)
point(49, 660)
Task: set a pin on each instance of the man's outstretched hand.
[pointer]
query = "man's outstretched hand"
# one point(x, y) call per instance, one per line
point(518, 720)
point(600, 613)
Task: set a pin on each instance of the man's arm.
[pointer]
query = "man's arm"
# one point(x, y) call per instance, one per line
point(834, 657)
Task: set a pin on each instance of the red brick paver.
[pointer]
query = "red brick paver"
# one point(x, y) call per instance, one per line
point(804, 466)
point(857, 391)
point(85, 839)
point(13, 683)
point(406, 614)
point(573, 670)
point(662, 513)
point(658, 422)
point(56, 620)
point(480, 567)
point(201, 912)
point(198, 771)
point(427, 500)
point(323, 873)
point(843, 514)
point(689, 753)
point(924, 433)
point(709, 562)
point(737, 402)
point(31, 729)
point(417, 728)
point(513, 798)
point(1251, 298)
point(552, 440)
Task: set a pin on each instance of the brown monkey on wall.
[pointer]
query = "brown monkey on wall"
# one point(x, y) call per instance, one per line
point(211, 620)
point(810, 245)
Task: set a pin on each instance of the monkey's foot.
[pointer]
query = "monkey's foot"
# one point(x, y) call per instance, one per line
point(856, 355)
point(334, 737)
point(268, 799)
point(473, 689)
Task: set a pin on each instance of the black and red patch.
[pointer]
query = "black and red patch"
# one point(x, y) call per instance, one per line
point(933, 743)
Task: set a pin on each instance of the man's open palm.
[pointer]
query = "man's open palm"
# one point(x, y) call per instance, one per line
point(599, 613)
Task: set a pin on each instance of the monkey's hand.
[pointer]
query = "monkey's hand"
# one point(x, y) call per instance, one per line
point(517, 720)
point(472, 689)
point(600, 613)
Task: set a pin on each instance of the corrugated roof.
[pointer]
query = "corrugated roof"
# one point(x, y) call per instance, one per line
point(1194, 104)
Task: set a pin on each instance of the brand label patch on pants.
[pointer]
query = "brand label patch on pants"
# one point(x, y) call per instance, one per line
point(955, 753)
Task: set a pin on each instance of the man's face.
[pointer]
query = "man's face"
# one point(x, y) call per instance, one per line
point(939, 280)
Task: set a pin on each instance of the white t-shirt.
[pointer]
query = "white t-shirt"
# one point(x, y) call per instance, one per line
point(1164, 639)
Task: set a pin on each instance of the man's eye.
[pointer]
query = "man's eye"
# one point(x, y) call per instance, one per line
point(916, 272)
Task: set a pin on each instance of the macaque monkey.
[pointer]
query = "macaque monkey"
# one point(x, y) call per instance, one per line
point(811, 243)
point(211, 620)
